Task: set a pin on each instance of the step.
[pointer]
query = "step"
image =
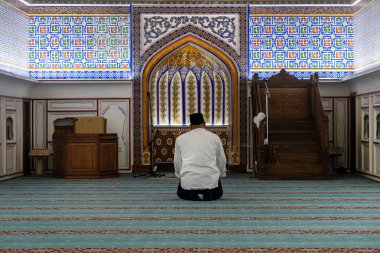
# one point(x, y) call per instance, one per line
point(291, 125)
point(307, 158)
point(293, 171)
point(292, 136)
point(293, 167)
point(296, 146)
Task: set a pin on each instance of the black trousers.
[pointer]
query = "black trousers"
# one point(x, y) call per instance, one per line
point(208, 194)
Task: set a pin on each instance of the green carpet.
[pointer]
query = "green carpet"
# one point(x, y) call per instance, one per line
point(126, 214)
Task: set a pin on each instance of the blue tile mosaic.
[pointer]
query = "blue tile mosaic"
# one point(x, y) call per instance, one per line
point(321, 44)
point(79, 47)
point(367, 41)
point(13, 41)
point(96, 42)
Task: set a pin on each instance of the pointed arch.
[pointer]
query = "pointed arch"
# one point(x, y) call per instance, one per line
point(176, 102)
point(206, 102)
point(191, 94)
point(147, 70)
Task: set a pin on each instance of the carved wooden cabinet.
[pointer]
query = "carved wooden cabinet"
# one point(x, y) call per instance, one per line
point(85, 155)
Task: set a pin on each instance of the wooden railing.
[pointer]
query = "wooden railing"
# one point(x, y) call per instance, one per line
point(320, 118)
point(308, 104)
point(258, 133)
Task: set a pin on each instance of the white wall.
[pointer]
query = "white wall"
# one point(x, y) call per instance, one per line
point(14, 87)
point(334, 89)
point(84, 89)
point(112, 100)
point(365, 84)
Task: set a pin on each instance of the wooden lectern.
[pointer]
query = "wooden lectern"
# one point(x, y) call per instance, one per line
point(83, 149)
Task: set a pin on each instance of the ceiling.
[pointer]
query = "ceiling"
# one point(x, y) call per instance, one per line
point(258, 2)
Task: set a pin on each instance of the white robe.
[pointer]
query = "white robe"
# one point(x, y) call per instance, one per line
point(199, 159)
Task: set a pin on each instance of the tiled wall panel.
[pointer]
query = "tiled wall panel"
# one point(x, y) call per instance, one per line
point(79, 47)
point(302, 45)
point(367, 37)
point(13, 40)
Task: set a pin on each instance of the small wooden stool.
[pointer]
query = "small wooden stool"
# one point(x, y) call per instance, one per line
point(38, 156)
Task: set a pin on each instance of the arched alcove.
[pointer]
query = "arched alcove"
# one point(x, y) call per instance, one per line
point(190, 80)
point(366, 126)
point(208, 66)
point(9, 128)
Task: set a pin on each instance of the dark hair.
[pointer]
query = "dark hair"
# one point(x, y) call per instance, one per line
point(196, 118)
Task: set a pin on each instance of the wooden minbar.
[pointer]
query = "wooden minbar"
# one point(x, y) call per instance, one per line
point(84, 155)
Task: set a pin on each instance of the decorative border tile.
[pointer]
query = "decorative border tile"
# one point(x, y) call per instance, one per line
point(224, 26)
point(325, 10)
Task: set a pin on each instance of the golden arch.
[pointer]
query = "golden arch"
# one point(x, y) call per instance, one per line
point(234, 155)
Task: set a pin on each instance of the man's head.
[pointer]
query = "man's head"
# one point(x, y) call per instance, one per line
point(197, 120)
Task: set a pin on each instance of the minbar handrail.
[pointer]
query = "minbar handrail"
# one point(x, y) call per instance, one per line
point(258, 132)
point(315, 112)
point(320, 118)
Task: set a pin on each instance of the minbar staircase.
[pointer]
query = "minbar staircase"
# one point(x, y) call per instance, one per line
point(297, 151)
point(296, 143)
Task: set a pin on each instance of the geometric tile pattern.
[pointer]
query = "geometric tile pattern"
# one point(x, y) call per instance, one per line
point(13, 41)
point(189, 81)
point(225, 27)
point(367, 37)
point(308, 43)
point(79, 47)
point(164, 141)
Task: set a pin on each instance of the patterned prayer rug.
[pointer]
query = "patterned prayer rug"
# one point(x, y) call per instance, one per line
point(126, 214)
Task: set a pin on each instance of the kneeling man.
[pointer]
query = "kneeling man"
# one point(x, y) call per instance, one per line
point(199, 162)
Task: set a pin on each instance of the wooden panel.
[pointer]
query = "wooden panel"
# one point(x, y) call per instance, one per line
point(298, 129)
point(358, 132)
point(287, 103)
point(87, 156)
point(365, 157)
point(365, 101)
point(164, 141)
point(90, 125)
point(11, 158)
point(72, 105)
point(327, 104)
point(2, 137)
point(10, 104)
point(11, 136)
point(19, 136)
point(108, 158)
point(52, 116)
point(39, 124)
point(341, 129)
point(59, 159)
point(376, 99)
point(376, 131)
point(331, 126)
point(84, 158)
point(377, 159)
